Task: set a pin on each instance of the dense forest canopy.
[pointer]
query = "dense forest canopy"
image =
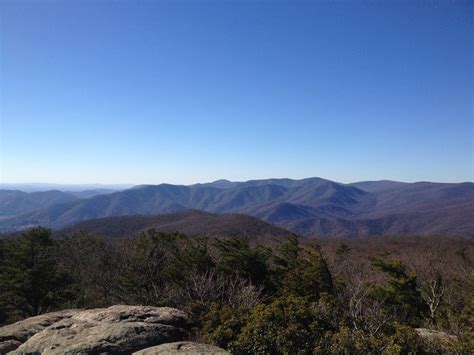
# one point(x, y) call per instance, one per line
point(275, 296)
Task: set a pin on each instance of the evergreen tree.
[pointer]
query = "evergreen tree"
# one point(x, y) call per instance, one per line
point(3, 305)
point(308, 275)
point(401, 292)
point(239, 258)
point(287, 254)
point(31, 280)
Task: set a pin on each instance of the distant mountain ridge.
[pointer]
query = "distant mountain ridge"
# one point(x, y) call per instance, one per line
point(35, 187)
point(13, 202)
point(311, 206)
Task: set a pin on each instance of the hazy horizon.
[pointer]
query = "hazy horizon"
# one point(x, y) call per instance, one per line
point(125, 185)
point(213, 179)
point(185, 92)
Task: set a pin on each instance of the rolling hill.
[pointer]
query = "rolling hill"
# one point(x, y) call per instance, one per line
point(312, 206)
point(192, 223)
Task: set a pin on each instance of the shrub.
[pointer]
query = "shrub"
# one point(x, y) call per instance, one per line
point(222, 324)
point(289, 325)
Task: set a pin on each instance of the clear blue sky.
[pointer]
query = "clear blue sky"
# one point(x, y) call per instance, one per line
point(188, 91)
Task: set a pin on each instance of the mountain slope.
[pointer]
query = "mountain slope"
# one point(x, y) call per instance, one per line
point(418, 197)
point(377, 186)
point(13, 202)
point(456, 220)
point(90, 193)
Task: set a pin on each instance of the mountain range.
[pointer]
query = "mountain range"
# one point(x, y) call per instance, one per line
point(310, 207)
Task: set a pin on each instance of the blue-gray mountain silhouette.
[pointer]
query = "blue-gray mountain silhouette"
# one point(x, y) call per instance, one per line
point(312, 206)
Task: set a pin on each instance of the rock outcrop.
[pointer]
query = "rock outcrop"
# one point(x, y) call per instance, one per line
point(183, 347)
point(118, 329)
point(13, 335)
point(432, 334)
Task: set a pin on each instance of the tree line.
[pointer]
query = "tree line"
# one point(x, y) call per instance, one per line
point(284, 296)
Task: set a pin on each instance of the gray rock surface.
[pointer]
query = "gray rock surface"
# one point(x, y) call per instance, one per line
point(118, 329)
point(435, 334)
point(183, 347)
point(13, 335)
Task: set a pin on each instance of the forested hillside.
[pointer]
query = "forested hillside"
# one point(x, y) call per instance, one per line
point(192, 223)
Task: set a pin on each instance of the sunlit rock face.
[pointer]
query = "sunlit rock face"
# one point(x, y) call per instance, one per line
point(118, 329)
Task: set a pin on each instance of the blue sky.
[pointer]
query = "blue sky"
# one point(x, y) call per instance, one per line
point(193, 91)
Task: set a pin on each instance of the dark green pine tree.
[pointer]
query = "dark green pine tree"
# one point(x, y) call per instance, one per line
point(31, 281)
point(3, 305)
point(401, 292)
point(286, 257)
point(307, 275)
point(239, 258)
